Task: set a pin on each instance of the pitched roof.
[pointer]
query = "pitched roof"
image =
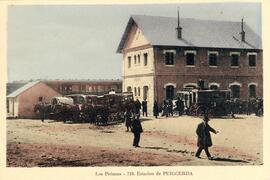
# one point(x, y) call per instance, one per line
point(22, 89)
point(161, 31)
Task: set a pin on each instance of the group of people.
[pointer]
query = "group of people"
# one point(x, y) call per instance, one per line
point(133, 124)
point(167, 109)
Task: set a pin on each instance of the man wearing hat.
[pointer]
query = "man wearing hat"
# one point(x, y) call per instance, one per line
point(136, 128)
point(204, 138)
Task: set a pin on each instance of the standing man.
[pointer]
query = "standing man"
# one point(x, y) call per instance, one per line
point(144, 107)
point(42, 111)
point(155, 109)
point(137, 107)
point(179, 106)
point(170, 107)
point(136, 128)
point(165, 108)
point(204, 138)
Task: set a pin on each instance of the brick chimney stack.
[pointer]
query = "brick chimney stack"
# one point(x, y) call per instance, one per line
point(179, 29)
point(243, 38)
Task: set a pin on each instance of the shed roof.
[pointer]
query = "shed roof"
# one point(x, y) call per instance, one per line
point(161, 31)
point(22, 89)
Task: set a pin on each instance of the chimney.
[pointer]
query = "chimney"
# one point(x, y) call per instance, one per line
point(179, 29)
point(242, 32)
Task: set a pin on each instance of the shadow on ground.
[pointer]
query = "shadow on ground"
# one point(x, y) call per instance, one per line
point(229, 160)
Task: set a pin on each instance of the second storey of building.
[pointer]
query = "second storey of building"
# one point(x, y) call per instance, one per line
point(207, 61)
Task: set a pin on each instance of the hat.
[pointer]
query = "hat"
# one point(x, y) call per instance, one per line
point(205, 117)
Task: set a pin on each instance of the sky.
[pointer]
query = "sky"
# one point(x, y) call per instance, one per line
point(80, 41)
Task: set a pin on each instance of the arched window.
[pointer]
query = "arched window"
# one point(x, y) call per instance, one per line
point(213, 87)
point(190, 85)
point(145, 92)
point(252, 91)
point(135, 91)
point(169, 92)
point(235, 89)
point(129, 89)
point(139, 91)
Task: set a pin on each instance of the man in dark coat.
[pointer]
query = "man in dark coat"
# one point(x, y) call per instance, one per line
point(137, 107)
point(170, 105)
point(128, 116)
point(179, 106)
point(144, 107)
point(204, 138)
point(165, 108)
point(136, 128)
point(155, 109)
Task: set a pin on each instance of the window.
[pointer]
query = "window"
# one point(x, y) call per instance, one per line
point(139, 91)
point(169, 58)
point(252, 91)
point(145, 92)
point(169, 92)
point(135, 91)
point(212, 57)
point(67, 88)
point(83, 88)
point(235, 89)
point(252, 60)
point(145, 58)
point(234, 60)
point(135, 59)
point(139, 59)
point(129, 61)
point(190, 59)
point(128, 89)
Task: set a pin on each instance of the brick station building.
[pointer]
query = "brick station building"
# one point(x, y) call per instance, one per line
point(162, 55)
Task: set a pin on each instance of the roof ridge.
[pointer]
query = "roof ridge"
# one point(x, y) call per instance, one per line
point(23, 88)
point(143, 15)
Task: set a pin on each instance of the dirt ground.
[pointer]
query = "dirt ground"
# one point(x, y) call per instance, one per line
point(164, 142)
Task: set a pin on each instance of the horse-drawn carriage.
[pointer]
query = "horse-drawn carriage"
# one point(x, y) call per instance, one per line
point(100, 110)
point(199, 102)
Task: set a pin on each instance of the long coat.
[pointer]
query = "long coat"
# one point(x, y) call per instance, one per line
point(144, 106)
point(203, 133)
point(136, 126)
point(155, 109)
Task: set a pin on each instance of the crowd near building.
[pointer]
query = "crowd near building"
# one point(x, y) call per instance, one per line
point(162, 55)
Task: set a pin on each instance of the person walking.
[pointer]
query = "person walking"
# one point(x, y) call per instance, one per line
point(144, 107)
point(204, 138)
point(155, 109)
point(136, 128)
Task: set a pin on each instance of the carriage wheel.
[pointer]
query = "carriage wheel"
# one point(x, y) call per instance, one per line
point(201, 110)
